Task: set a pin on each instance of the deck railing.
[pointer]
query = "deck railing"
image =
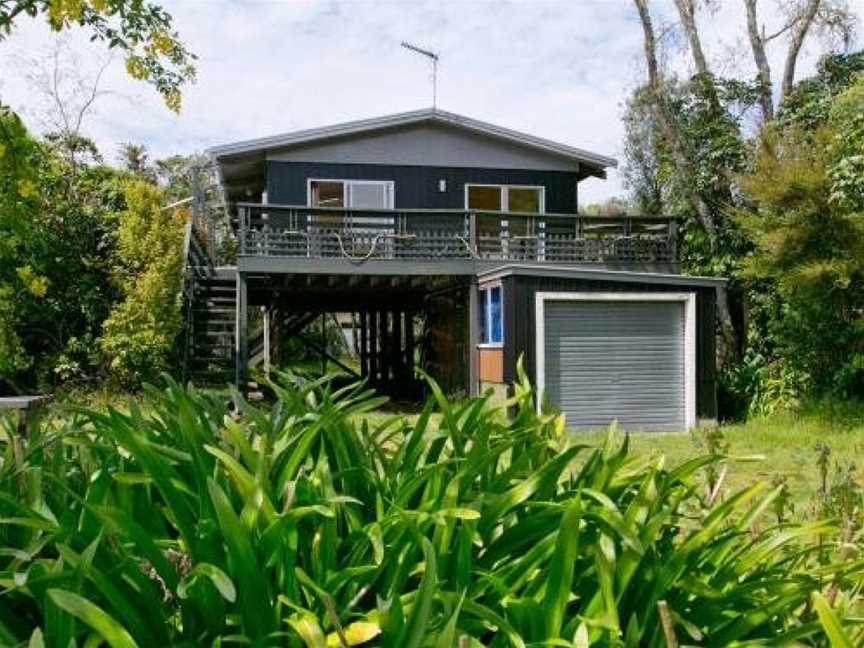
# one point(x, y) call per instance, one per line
point(434, 234)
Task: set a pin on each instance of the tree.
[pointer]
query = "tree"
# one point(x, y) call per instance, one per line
point(697, 140)
point(832, 18)
point(808, 233)
point(135, 159)
point(18, 280)
point(643, 174)
point(67, 86)
point(69, 92)
point(58, 241)
point(142, 30)
point(674, 141)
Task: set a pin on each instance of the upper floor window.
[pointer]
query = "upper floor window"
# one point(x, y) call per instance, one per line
point(506, 198)
point(491, 315)
point(354, 194)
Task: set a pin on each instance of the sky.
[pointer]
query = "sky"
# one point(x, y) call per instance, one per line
point(559, 69)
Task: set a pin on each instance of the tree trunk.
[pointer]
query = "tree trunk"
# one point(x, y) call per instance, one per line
point(805, 20)
point(687, 12)
point(683, 166)
point(757, 44)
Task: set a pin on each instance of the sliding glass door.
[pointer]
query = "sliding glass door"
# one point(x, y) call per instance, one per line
point(361, 229)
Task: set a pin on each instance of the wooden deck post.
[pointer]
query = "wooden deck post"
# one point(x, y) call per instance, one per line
point(241, 346)
point(409, 345)
point(373, 347)
point(383, 346)
point(398, 362)
point(473, 337)
point(364, 345)
point(266, 332)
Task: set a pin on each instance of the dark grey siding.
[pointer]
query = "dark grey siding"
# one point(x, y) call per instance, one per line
point(623, 361)
point(519, 327)
point(417, 186)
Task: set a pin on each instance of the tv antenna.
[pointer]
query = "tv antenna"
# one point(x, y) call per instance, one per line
point(433, 57)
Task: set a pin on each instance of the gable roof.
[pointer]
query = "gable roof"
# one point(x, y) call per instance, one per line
point(428, 115)
point(241, 165)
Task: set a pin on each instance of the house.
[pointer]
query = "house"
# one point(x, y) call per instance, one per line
point(456, 245)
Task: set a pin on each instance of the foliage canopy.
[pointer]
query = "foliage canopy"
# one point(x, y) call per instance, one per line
point(141, 29)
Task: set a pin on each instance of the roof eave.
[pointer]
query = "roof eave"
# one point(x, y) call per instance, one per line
point(391, 121)
point(599, 274)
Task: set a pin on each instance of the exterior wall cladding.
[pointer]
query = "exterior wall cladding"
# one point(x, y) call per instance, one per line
point(520, 334)
point(416, 187)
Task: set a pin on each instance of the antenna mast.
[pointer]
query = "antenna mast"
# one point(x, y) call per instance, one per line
point(433, 57)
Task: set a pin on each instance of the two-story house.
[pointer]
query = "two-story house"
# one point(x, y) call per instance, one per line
point(457, 245)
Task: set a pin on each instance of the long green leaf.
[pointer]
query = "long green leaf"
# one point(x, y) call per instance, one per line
point(831, 623)
point(416, 625)
point(94, 616)
point(559, 579)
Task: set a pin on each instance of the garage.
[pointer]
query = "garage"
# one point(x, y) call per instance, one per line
point(627, 357)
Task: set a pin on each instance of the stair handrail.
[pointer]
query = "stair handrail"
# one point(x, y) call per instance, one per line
point(196, 261)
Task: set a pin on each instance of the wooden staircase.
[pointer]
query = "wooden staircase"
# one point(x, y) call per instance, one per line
point(213, 323)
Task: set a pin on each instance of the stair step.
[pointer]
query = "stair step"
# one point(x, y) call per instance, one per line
point(221, 313)
point(210, 284)
point(214, 329)
point(204, 359)
point(208, 347)
point(216, 294)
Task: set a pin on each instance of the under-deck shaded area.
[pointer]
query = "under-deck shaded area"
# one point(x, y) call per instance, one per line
point(396, 324)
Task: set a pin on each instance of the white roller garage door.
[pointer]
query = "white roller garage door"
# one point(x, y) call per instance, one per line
point(623, 360)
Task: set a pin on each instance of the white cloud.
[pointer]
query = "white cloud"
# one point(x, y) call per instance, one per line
point(558, 69)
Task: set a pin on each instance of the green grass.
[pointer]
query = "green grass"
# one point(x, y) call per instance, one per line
point(786, 443)
point(780, 447)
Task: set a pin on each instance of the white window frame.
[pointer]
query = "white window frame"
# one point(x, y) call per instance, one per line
point(687, 298)
point(487, 315)
point(389, 187)
point(505, 195)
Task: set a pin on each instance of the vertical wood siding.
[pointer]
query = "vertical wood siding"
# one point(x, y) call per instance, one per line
point(416, 186)
point(520, 333)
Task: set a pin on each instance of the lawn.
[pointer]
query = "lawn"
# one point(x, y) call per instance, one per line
point(784, 446)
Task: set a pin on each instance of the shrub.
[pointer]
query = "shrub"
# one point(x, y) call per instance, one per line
point(140, 332)
point(765, 388)
point(299, 524)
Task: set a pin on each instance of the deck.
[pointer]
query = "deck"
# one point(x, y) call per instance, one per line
point(406, 277)
point(293, 238)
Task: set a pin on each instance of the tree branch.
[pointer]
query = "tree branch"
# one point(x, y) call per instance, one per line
point(94, 93)
point(757, 45)
point(804, 21)
point(781, 31)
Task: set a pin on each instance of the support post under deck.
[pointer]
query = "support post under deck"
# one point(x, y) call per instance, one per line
point(241, 350)
point(473, 338)
point(266, 313)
